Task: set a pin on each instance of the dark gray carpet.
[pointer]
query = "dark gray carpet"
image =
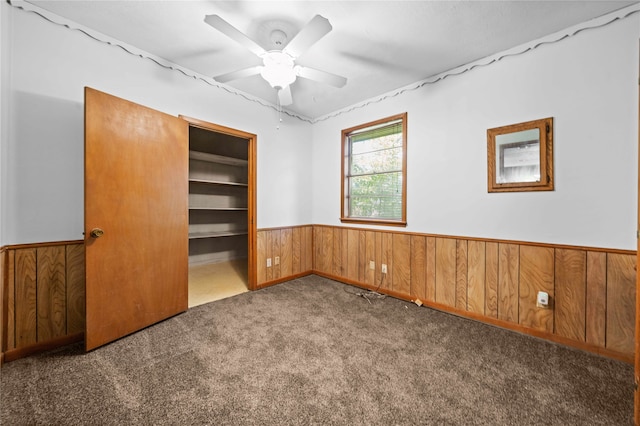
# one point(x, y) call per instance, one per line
point(308, 352)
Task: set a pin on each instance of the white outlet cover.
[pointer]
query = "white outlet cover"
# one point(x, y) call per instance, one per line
point(543, 298)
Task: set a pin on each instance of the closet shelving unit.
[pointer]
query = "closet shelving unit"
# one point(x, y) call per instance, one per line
point(218, 197)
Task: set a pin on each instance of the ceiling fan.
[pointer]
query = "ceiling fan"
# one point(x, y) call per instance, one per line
point(279, 68)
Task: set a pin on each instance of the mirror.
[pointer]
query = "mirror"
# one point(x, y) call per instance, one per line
point(520, 157)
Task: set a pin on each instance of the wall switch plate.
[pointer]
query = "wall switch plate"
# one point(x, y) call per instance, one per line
point(276, 260)
point(269, 263)
point(384, 268)
point(372, 265)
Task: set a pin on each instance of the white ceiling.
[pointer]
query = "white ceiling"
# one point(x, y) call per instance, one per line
point(378, 45)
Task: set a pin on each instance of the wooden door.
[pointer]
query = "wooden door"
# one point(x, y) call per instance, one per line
point(136, 186)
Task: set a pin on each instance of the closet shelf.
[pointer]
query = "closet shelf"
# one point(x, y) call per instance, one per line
point(217, 234)
point(217, 182)
point(220, 159)
point(218, 208)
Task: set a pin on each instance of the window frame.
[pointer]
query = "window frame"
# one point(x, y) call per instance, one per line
point(344, 173)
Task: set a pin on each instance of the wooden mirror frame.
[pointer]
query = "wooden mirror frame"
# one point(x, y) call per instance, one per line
point(546, 182)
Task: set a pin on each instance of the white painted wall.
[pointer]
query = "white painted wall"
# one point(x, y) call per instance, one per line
point(588, 83)
point(42, 173)
point(4, 98)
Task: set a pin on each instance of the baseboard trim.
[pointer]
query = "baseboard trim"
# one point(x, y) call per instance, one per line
point(628, 358)
point(36, 348)
point(283, 279)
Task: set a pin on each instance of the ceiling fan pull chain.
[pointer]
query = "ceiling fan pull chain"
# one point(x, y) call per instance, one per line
point(279, 113)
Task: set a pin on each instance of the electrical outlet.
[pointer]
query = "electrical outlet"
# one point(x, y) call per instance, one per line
point(542, 301)
point(269, 263)
point(372, 265)
point(384, 268)
point(276, 260)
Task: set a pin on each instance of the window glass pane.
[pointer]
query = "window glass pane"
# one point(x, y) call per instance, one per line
point(375, 144)
point(377, 195)
point(388, 159)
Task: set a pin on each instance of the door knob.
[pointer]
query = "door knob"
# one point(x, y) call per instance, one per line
point(96, 232)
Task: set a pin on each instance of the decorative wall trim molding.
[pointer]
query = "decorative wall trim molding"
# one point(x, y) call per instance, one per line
point(489, 60)
point(134, 51)
point(516, 51)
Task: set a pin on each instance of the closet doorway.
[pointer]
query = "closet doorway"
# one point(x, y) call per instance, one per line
point(221, 211)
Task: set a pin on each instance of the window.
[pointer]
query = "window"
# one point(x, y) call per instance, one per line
point(374, 171)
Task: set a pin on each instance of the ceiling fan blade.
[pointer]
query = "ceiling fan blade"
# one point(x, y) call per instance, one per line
point(235, 75)
point(321, 76)
point(233, 33)
point(317, 28)
point(284, 96)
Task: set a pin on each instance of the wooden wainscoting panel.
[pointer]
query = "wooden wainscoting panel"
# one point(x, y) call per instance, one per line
point(75, 273)
point(269, 254)
point(430, 281)
point(337, 266)
point(326, 263)
point(362, 254)
point(387, 258)
point(418, 266)
point(344, 252)
point(26, 302)
point(596, 298)
point(508, 267)
point(353, 240)
point(570, 293)
point(536, 274)
point(591, 304)
point(293, 246)
point(621, 308)
point(51, 292)
point(378, 257)
point(461, 274)
point(11, 301)
point(446, 271)
point(307, 249)
point(262, 256)
point(491, 279)
point(286, 252)
point(370, 255)
point(476, 277)
point(402, 263)
point(296, 246)
point(317, 246)
point(275, 251)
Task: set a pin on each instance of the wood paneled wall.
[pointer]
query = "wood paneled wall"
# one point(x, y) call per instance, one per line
point(290, 251)
point(592, 291)
point(43, 290)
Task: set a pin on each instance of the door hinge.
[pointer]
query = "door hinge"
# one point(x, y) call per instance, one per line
point(637, 234)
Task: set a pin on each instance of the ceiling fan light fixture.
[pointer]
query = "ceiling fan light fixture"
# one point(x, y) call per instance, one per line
point(278, 69)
